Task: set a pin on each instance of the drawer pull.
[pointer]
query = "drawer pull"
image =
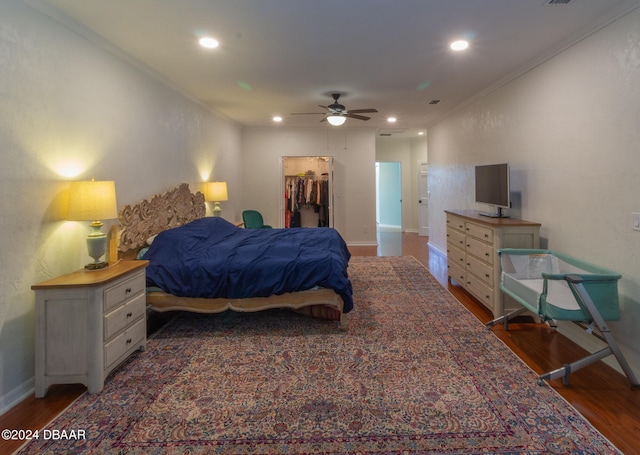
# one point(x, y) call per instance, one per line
point(127, 291)
point(131, 314)
point(129, 340)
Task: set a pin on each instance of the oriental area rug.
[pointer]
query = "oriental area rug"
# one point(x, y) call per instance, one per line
point(415, 373)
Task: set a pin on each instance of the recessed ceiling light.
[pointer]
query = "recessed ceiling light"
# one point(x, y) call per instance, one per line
point(208, 42)
point(277, 118)
point(421, 133)
point(391, 120)
point(459, 45)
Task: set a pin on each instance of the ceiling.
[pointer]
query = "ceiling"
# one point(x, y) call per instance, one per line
point(278, 57)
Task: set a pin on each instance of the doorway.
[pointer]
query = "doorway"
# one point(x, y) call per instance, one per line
point(388, 196)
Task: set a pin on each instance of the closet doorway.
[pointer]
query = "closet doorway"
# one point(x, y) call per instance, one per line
point(307, 186)
point(388, 196)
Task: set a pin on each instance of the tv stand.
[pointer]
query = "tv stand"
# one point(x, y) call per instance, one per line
point(472, 261)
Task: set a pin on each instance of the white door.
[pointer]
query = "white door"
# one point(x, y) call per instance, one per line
point(423, 201)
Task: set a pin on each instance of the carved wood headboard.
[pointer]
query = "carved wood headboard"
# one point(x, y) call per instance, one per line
point(149, 217)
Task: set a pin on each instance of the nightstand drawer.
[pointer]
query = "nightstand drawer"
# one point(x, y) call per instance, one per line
point(126, 342)
point(124, 316)
point(121, 292)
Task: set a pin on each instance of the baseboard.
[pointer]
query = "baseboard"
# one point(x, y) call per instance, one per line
point(17, 395)
point(435, 248)
point(362, 243)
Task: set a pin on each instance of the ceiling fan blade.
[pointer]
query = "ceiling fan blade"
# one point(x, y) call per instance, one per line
point(308, 113)
point(362, 111)
point(323, 107)
point(359, 117)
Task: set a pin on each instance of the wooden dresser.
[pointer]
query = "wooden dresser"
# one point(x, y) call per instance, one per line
point(87, 323)
point(472, 259)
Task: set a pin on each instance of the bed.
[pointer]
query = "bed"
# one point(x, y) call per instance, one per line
point(558, 287)
point(209, 265)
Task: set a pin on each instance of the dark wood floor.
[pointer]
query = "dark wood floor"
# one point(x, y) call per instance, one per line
point(599, 392)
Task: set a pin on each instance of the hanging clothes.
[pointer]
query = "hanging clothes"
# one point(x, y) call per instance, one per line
point(306, 192)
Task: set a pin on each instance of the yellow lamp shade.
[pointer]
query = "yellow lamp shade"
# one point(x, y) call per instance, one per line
point(92, 201)
point(216, 191)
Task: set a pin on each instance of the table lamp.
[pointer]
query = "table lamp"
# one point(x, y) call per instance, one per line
point(216, 192)
point(93, 201)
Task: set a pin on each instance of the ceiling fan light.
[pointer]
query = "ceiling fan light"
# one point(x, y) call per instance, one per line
point(336, 120)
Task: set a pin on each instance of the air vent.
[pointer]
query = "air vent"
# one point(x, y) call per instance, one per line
point(390, 131)
point(557, 2)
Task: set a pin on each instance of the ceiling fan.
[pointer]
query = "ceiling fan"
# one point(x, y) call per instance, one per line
point(337, 114)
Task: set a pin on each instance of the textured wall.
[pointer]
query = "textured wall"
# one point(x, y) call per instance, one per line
point(72, 111)
point(569, 129)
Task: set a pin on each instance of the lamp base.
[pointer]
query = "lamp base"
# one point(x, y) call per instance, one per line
point(96, 266)
point(217, 210)
point(96, 246)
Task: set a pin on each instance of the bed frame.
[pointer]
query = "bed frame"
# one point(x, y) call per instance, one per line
point(177, 207)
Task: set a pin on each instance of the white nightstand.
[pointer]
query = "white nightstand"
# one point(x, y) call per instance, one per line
point(87, 323)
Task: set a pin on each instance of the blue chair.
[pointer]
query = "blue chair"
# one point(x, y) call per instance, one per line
point(253, 220)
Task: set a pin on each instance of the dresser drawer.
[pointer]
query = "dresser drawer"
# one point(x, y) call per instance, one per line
point(480, 269)
point(124, 316)
point(457, 273)
point(480, 250)
point(456, 237)
point(123, 291)
point(456, 256)
point(479, 289)
point(479, 232)
point(125, 343)
point(455, 223)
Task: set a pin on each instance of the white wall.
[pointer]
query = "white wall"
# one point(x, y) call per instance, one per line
point(353, 180)
point(570, 130)
point(72, 111)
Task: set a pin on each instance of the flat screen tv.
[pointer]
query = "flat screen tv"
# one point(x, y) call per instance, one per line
point(492, 188)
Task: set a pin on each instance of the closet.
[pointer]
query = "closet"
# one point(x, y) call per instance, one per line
point(307, 189)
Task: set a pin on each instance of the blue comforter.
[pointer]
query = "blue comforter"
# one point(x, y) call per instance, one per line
point(211, 257)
